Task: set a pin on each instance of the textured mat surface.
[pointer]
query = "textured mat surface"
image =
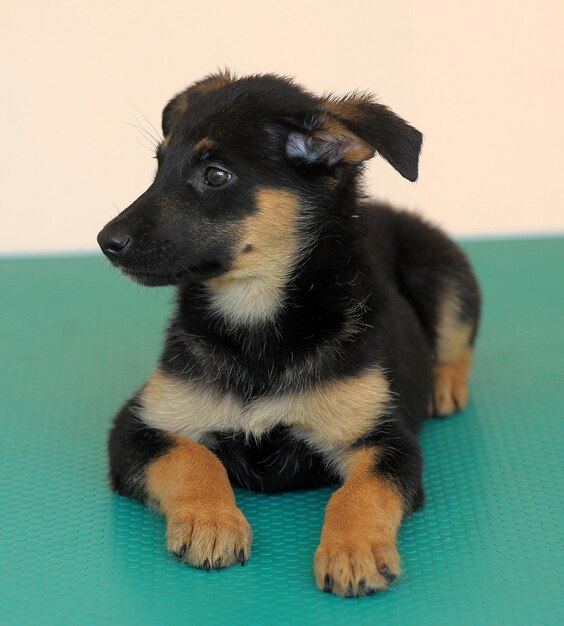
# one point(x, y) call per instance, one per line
point(76, 340)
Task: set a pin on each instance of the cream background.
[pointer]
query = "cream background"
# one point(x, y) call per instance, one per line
point(483, 81)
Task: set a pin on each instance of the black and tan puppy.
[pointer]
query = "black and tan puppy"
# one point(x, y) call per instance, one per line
point(313, 331)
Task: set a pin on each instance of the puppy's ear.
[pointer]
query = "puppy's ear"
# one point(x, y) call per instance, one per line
point(201, 88)
point(322, 139)
point(213, 82)
point(172, 112)
point(352, 130)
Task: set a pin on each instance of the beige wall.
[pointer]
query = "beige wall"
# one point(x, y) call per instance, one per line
point(483, 80)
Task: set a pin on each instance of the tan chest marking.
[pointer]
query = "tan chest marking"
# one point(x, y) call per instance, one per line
point(252, 290)
point(337, 412)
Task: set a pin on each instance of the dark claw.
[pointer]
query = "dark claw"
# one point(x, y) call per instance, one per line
point(364, 590)
point(385, 571)
point(206, 565)
point(328, 583)
point(242, 557)
point(218, 564)
point(349, 593)
point(180, 554)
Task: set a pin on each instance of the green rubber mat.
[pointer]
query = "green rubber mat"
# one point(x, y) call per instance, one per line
point(77, 339)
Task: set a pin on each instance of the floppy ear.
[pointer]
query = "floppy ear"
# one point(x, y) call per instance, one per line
point(322, 139)
point(180, 103)
point(353, 129)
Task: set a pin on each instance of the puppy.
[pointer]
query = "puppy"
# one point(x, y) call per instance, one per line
point(313, 331)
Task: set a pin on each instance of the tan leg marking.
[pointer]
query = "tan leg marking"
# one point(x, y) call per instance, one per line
point(357, 554)
point(451, 384)
point(204, 526)
point(453, 336)
point(454, 357)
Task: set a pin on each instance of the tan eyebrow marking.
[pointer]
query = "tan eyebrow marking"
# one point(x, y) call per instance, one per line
point(203, 145)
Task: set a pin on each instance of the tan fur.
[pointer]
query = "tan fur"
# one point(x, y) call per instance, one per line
point(354, 148)
point(336, 412)
point(451, 384)
point(202, 146)
point(180, 107)
point(191, 487)
point(454, 356)
point(348, 108)
point(453, 337)
point(332, 414)
point(213, 83)
point(357, 553)
point(186, 408)
point(252, 290)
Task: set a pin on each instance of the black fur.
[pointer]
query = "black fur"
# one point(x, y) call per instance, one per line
point(132, 446)
point(390, 266)
point(275, 463)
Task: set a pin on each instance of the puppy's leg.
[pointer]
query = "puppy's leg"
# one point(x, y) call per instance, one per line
point(455, 335)
point(437, 279)
point(357, 553)
point(188, 484)
point(455, 313)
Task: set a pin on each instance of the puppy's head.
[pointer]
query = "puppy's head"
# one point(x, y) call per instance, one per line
point(239, 161)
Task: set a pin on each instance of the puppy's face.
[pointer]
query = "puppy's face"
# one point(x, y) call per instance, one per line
point(239, 160)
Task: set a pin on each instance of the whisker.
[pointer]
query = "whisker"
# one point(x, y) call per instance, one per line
point(145, 146)
point(147, 120)
point(144, 133)
point(147, 132)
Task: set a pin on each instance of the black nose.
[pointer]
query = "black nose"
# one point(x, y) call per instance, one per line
point(113, 244)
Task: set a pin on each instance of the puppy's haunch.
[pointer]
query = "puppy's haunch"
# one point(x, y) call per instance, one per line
point(313, 331)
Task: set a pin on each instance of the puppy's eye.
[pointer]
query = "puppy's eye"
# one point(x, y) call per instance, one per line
point(216, 177)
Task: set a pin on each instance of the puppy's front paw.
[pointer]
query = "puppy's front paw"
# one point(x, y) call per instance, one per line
point(209, 538)
point(355, 566)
